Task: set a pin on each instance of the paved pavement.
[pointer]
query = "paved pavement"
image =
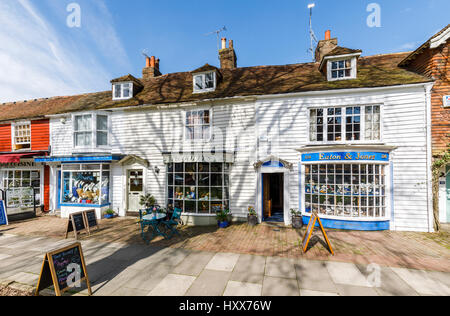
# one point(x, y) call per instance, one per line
point(127, 270)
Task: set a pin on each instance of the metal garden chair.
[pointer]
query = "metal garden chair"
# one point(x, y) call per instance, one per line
point(172, 223)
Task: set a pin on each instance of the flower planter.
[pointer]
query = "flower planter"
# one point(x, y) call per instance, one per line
point(297, 222)
point(109, 216)
point(252, 220)
point(223, 224)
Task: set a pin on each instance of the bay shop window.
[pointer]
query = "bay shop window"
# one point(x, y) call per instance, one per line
point(338, 185)
point(201, 188)
point(15, 181)
point(86, 184)
point(349, 123)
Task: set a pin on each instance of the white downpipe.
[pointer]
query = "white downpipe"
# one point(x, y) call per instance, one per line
point(428, 88)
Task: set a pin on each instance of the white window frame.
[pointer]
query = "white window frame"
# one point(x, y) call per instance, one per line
point(203, 76)
point(13, 135)
point(203, 140)
point(121, 84)
point(354, 66)
point(363, 138)
point(93, 131)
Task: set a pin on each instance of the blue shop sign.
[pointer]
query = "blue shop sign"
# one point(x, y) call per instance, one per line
point(345, 156)
point(3, 214)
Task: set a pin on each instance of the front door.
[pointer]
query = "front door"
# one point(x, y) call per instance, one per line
point(273, 197)
point(135, 185)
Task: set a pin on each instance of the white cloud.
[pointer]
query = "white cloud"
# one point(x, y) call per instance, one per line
point(39, 58)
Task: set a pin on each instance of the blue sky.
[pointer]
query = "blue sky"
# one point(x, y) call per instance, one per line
point(41, 56)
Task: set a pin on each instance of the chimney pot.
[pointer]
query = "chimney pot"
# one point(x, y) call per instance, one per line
point(327, 35)
point(230, 44)
point(147, 62)
point(224, 43)
point(152, 62)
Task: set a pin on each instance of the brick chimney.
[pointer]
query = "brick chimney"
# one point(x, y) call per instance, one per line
point(325, 46)
point(151, 69)
point(228, 59)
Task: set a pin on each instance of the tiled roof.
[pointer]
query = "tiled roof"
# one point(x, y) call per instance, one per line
point(342, 51)
point(127, 78)
point(425, 45)
point(373, 71)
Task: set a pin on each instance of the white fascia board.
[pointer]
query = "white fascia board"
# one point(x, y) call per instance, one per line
point(441, 39)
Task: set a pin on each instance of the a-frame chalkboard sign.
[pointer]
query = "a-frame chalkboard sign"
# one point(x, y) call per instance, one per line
point(63, 268)
point(77, 224)
point(91, 220)
point(3, 214)
point(309, 231)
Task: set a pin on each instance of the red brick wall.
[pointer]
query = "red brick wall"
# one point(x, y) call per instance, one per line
point(5, 138)
point(435, 63)
point(40, 135)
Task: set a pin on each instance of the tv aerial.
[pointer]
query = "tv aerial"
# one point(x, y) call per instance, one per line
point(223, 29)
point(312, 35)
point(145, 53)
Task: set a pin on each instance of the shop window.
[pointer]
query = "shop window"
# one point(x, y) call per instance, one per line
point(346, 190)
point(198, 125)
point(22, 135)
point(340, 124)
point(85, 184)
point(23, 179)
point(201, 188)
point(91, 130)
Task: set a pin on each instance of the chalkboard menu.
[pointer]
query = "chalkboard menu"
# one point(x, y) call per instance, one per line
point(63, 268)
point(3, 215)
point(91, 219)
point(309, 231)
point(76, 224)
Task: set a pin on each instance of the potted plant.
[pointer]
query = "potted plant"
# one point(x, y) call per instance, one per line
point(109, 214)
point(222, 218)
point(252, 218)
point(147, 201)
point(297, 221)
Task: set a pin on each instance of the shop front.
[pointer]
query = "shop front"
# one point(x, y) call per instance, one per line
point(349, 190)
point(82, 183)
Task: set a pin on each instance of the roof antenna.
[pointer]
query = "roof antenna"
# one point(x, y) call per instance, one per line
point(145, 53)
point(223, 29)
point(311, 31)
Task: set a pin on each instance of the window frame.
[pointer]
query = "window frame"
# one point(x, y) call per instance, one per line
point(203, 75)
point(14, 125)
point(93, 131)
point(363, 137)
point(114, 86)
point(203, 140)
point(353, 71)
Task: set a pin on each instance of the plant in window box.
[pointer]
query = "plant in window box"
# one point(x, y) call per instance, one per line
point(223, 218)
point(252, 217)
point(297, 221)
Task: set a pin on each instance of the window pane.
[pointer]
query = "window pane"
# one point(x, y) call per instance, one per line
point(102, 122)
point(102, 138)
point(199, 82)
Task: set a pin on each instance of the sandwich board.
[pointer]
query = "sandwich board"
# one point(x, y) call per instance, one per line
point(3, 214)
point(310, 229)
point(63, 268)
point(91, 220)
point(77, 224)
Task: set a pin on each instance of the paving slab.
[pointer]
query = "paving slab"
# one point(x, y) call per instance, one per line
point(386, 282)
point(280, 287)
point(209, 283)
point(194, 263)
point(223, 262)
point(304, 292)
point(422, 282)
point(314, 275)
point(346, 274)
point(25, 243)
point(152, 257)
point(242, 289)
point(25, 278)
point(146, 280)
point(127, 292)
point(249, 269)
point(350, 290)
point(440, 276)
point(280, 267)
point(4, 256)
point(173, 285)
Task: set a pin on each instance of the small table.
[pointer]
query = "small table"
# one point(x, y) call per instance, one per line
point(154, 220)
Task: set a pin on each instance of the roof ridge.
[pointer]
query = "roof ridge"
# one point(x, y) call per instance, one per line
point(52, 98)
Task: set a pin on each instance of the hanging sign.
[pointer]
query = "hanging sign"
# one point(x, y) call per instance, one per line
point(64, 269)
point(309, 231)
point(3, 214)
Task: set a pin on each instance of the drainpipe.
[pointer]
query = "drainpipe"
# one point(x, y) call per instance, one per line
point(428, 88)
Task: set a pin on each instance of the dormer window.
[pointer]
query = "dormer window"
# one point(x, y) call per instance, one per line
point(341, 68)
point(205, 82)
point(122, 91)
point(22, 135)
